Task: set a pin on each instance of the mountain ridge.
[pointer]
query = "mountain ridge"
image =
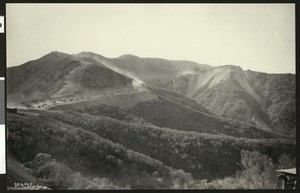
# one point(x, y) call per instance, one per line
point(227, 91)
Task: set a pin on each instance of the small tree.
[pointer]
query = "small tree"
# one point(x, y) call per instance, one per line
point(181, 179)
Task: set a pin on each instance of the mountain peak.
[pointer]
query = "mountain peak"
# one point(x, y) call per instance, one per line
point(128, 56)
point(87, 53)
point(54, 56)
point(57, 53)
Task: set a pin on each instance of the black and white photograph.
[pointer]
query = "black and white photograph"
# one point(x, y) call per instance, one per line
point(112, 96)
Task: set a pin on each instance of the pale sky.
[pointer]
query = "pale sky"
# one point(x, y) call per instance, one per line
point(260, 37)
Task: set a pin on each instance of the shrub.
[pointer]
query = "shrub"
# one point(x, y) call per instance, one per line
point(59, 176)
point(286, 161)
point(259, 171)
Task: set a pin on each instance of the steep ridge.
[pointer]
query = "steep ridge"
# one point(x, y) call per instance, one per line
point(137, 82)
point(229, 91)
point(225, 91)
point(146, 70)
point(154, 70)
point(209, 78)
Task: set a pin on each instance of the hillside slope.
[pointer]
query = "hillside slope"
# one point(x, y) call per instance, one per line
point(58, 76)
point(226, 91)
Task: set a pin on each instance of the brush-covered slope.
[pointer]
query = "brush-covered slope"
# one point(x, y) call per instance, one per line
point(82, 150)
point(228, 91)
point(130, 152)
point(278, 91)
point(58, 76)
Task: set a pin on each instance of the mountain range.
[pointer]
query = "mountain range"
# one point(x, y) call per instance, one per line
point(266, 101)
point(93, 122)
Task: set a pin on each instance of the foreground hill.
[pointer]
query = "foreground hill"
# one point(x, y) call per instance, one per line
point(81, 150)
point(131, 152)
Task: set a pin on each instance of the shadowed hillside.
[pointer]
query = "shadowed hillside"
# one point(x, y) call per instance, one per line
point(107, 147)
